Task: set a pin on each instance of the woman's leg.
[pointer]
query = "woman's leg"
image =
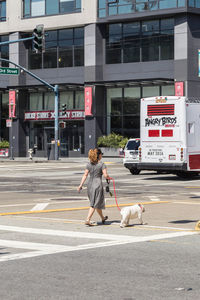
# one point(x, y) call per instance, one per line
point(90, 214)
point(100, 213)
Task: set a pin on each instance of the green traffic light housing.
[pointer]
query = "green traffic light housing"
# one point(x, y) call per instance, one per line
point(38, 41)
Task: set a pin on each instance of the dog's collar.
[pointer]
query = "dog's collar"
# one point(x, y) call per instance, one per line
point(140, 206)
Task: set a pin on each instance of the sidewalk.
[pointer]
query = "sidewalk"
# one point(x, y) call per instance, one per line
point(61, 160)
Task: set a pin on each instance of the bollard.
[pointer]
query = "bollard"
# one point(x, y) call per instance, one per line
point(197, 226)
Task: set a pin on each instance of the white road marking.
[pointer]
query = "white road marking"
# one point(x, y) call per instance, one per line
point(40, 206)
point(46, 249)
point(153, 198)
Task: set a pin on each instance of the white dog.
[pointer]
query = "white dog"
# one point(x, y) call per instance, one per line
point(131, 212)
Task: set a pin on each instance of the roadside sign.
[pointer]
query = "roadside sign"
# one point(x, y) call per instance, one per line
point(9, 71)
point(8, 123)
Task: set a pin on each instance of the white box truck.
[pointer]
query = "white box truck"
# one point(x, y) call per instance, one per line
point(170, 135)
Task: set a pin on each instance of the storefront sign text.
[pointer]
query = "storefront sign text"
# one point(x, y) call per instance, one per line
point(50, 115)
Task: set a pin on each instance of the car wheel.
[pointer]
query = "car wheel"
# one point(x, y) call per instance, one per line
point(134, 171)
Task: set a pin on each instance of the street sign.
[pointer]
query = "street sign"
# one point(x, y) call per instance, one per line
point(8, 123)
point(9, 71)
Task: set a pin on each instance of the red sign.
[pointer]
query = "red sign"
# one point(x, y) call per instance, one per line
point(88, 101)
point(50, 115)
point(12, 104)
point(179, 87)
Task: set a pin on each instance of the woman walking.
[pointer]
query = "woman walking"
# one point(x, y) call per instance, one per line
point(95, 191)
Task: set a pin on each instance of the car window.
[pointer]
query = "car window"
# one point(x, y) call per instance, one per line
point(132, 145)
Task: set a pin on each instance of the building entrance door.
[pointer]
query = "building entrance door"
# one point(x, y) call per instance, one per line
point(49, 142)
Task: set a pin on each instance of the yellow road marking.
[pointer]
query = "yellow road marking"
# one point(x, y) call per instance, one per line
point(74, 208)
point(192, 187)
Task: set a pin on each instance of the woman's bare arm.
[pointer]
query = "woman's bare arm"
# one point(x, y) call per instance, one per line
point(83, 179)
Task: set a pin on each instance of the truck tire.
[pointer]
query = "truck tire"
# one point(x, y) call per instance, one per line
point(186, 175)
point(134, 171)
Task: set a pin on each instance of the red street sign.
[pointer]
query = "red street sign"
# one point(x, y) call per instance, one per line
point(88, 101)
point(12, 104)
point(179, 88)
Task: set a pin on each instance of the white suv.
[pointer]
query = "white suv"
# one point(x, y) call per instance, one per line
point(131, 156)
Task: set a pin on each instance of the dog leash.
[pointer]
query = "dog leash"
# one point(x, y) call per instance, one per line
point(113, 181)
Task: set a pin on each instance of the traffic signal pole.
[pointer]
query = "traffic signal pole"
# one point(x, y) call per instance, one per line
point(54, 88)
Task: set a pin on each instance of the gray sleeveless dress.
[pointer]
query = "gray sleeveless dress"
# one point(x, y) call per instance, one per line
point(95, 187)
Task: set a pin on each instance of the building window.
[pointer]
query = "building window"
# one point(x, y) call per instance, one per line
point(123, 107)
point(33, 8)
point(118, 7)
point(140, 41)
point(194, 3)
point(63, 48)
point(46, 101)
point(2, 11)
point(4, 50)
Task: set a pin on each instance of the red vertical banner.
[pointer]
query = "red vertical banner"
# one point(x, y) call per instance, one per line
point(12, 104)
point(88, 101)
point(179, 88)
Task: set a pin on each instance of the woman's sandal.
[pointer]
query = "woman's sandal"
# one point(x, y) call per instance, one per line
point(88, 223)
point(105, 218)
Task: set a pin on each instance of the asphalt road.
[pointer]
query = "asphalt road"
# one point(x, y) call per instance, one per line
point(47, 252)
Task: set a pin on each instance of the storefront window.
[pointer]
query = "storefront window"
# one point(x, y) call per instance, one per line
point(68, 99)
point(150, 91)
point(123, 107)
point(4, 115)
point(35, 102)
point(167, 90)
point(79, 100)
point(49, 101)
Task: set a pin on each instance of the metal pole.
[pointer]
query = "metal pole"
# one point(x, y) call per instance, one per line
point(11, 133)
point(56, 121)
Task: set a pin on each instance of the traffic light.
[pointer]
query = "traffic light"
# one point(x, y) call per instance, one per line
point(64, 107)
point(38, 41)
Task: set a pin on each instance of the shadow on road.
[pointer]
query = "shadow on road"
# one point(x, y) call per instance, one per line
point(183, 221)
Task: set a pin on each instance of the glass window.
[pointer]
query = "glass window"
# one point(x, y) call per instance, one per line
point(164, 4)
point(79, 100)
point(52, 7)
point(66, 6)
point(63, 48)
point(150, 91)
point(167, 90)
point(150, 40)
point(35, 101)
point(27, 8)
point(4, 50)
point(68, 99)
point(49, 101)
point(37, 8)
point(131, 42)
point(3, 11)
point(114, 106)
point(181, 3)
point(131, 104)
